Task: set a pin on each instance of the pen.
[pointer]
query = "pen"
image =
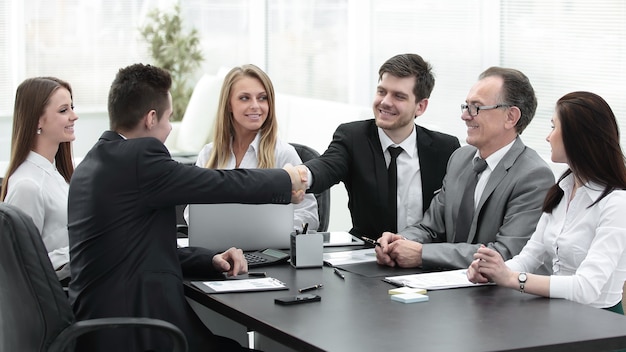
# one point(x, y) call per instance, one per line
point(257, 273)
point(370, 241)
point(310, 288)
point(305, 228)
point(338, 273)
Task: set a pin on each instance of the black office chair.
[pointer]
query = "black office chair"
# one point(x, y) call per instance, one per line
point(323, 199)
point(35, 314)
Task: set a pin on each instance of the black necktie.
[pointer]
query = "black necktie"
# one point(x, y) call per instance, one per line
point(392, 198)
point(466, 211)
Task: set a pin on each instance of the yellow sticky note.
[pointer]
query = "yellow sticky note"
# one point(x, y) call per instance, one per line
point(401, 290)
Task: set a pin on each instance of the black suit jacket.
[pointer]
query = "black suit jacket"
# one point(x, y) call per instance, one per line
point(122, 233)
point(355, 157)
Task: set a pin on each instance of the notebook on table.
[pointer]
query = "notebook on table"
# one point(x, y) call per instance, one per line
point(250, 227)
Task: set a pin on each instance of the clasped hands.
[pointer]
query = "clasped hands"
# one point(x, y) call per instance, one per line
point(396, 250)
point(488, 266)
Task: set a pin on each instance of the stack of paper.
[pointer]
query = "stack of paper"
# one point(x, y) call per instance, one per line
point(240, 285)
point(350, 257)
point(433, 281)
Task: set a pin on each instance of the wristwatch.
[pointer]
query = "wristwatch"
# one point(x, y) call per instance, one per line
point(522, 281)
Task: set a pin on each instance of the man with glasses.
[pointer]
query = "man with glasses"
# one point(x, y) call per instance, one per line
point(494, 188)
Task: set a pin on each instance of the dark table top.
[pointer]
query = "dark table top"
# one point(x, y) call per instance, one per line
point(357, 314)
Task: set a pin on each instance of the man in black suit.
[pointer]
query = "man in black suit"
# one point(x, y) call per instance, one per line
point(122, 220)
point(359, 156)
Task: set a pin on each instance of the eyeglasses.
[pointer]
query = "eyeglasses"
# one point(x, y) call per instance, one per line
point(473, 109)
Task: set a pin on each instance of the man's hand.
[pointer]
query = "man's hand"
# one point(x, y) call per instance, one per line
point(406, 253)
point(298, 183)
point(232, 261)
point(382, 251)
point(395, 250)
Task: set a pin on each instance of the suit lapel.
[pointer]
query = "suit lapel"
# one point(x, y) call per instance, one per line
point(496, 177)
point(376, 150)
point(427, 156)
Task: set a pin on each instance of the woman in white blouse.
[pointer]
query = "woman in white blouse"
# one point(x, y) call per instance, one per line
point(246, 134)
point(582, 232)
point(37, 179)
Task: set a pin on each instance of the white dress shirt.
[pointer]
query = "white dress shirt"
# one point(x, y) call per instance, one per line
point(492, 161)
point(285, 153)
point(585, 245)
point(409, 197)
point(38, 189)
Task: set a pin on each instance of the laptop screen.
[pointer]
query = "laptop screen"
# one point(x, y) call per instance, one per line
point(246, 226)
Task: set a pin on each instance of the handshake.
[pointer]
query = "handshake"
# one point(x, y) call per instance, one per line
point(299, 181)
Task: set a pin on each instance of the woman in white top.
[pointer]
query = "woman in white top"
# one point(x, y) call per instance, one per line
point(582, 232)
point(246, 134)
point(37, 179)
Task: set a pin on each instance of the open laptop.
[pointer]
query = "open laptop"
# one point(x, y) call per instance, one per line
point(250, 227)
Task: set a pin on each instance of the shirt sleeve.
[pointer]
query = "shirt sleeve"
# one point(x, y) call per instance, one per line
point(602, 259)
point(201, 161)
point(27, 196)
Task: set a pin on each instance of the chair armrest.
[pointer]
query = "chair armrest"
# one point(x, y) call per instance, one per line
point(182, 231)
point(69, 334)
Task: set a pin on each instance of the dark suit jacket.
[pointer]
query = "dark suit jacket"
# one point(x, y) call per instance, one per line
point(355, 157)
point(122, 233)
point(506, 214)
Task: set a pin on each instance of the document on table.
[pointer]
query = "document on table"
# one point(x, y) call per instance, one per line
point(433, 281)
point(350, 257)
point(240, 285)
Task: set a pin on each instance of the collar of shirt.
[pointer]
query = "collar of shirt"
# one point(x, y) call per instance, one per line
point(250, 159)
point(495, 158)
point(41, 162)
point(592, 189)
point(408, 144)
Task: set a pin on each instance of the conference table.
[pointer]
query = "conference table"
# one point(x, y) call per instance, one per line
point(357, 314)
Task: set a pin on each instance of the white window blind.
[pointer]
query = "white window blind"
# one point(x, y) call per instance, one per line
point(6, 93)
point(307, 48)
point(566, 46)
point(224, 27)
point(332, 49)
point(445, 33)
point(82, 42)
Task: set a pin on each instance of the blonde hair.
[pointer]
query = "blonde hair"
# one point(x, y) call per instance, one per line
point(224, 126)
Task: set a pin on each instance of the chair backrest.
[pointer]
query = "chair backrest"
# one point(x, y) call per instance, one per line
point(323, 199)
point(33, 306)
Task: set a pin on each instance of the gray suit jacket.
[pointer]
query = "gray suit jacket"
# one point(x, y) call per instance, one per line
point(506, 214)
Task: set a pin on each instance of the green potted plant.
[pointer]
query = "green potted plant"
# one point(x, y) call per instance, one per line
point(175, 50)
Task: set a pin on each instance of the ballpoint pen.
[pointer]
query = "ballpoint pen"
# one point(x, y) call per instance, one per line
point(338, 273)
point(305, 228)
point(257, 274)
point(370, 241)
point(310, 288)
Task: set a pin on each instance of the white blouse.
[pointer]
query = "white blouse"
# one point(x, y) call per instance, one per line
point(38, 189)
point(285, 153)
point(585, 245)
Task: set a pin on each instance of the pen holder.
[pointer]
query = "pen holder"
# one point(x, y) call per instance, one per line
point(307, 250)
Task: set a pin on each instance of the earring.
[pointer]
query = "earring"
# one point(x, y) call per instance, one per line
point(39, 130)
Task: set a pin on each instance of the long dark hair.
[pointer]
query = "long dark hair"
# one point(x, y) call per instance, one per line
point(31, 98)
point(591, 140)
